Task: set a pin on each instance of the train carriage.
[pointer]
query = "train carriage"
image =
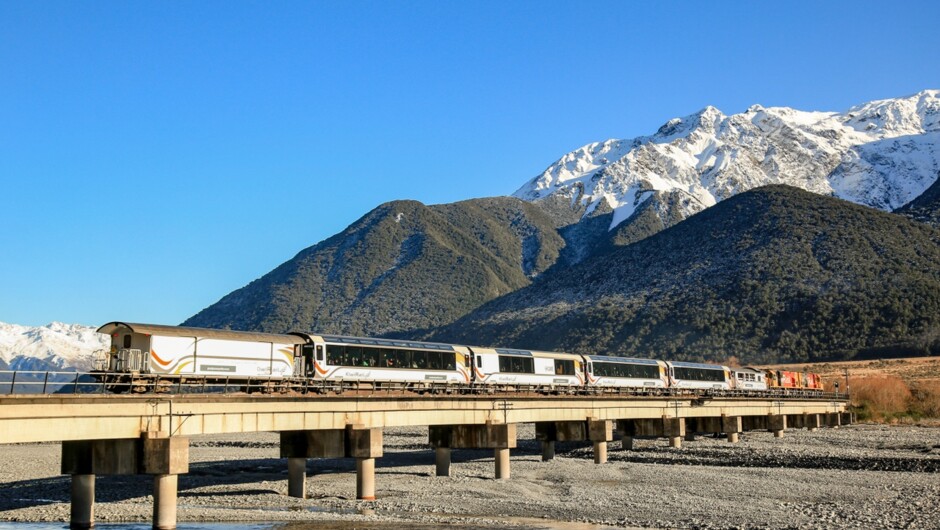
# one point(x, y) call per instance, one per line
point(416, 364)
point(699, 376)
point(173, 352)
point(749, 379)
point(604, 371)
point(511, 367)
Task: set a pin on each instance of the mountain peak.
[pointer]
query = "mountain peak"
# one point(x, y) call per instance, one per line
point(881, 154)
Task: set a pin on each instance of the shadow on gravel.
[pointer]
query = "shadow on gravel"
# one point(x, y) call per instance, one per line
point(41, 492)
point(750, 459)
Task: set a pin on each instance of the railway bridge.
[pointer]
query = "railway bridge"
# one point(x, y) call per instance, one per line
point(149, 434)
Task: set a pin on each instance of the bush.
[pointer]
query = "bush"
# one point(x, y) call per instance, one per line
point(925, 398)
point(882, 398)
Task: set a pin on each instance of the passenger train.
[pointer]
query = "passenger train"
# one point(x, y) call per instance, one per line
point(144, 356)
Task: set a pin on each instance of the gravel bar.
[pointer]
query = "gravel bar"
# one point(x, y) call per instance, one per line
point(859, 476)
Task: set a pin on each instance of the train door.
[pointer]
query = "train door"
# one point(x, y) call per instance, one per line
point(306, 360)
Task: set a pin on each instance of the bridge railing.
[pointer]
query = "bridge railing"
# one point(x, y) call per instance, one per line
point(34, 382)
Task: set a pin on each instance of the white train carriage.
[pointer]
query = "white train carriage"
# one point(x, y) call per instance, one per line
point(174, 352)
point(504, 366)
point(749, 379)
point(697, 375)
point(604, 371)
point(419, 364)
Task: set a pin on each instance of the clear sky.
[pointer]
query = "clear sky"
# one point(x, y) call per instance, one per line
point(155, 156)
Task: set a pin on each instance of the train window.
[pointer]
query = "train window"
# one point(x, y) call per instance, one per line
point(699, 374)
point(319, 352)
point(419, 360)
point(564, 367)
point(334, 355)
point(435, 360)
point(479, 362)
point(517, 365)
point(450, 361)
point(386, 359)
point(635, 371)
point(371, 356)
point(127, 341)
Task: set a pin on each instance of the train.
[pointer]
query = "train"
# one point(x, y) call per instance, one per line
point(153, 357)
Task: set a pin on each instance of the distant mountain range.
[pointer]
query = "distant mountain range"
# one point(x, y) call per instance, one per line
point(53, 347)
point(651, 246)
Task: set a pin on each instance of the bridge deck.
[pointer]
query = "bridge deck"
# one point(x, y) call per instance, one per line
point(42, 418)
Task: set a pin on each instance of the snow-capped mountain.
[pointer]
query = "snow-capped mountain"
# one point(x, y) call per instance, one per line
point(55, 346)
point(881, 154)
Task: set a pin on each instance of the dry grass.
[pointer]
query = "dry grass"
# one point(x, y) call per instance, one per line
point(926, 398)
point(889, 398)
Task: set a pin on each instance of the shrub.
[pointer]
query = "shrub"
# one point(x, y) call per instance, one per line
point(925, 398)
point(882, 397)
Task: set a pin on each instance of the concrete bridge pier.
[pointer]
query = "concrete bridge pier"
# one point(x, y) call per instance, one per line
point(732, 427)
point(548, 450)
point(693, 426)
point(549, 432)
point(355, 441)
point(501, 454)
point(297, 477)
point(365, 479)
point(811, 422)
point(674, 429)
point(83, 502)
point(164, 457)
point(365, 445)
point(777, 424)
point(501, 437)
point(834, 420)
point(600, 432)
point(164, 502)
point(796, 421)
point(442, 461)
point(627, 430)
point(154, 453)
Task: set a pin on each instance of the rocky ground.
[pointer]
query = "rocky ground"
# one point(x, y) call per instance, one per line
point(862, 476)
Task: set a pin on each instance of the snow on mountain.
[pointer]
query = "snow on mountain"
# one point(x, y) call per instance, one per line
point(882, 154)
point(55, 346)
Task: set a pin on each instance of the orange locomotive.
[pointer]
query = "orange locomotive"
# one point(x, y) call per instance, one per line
point(784, 379)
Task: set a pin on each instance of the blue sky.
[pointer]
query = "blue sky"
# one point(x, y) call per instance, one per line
point(156, 156)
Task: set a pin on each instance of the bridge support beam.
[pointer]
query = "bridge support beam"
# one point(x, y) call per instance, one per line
point(846, 418)
point(501, 437)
